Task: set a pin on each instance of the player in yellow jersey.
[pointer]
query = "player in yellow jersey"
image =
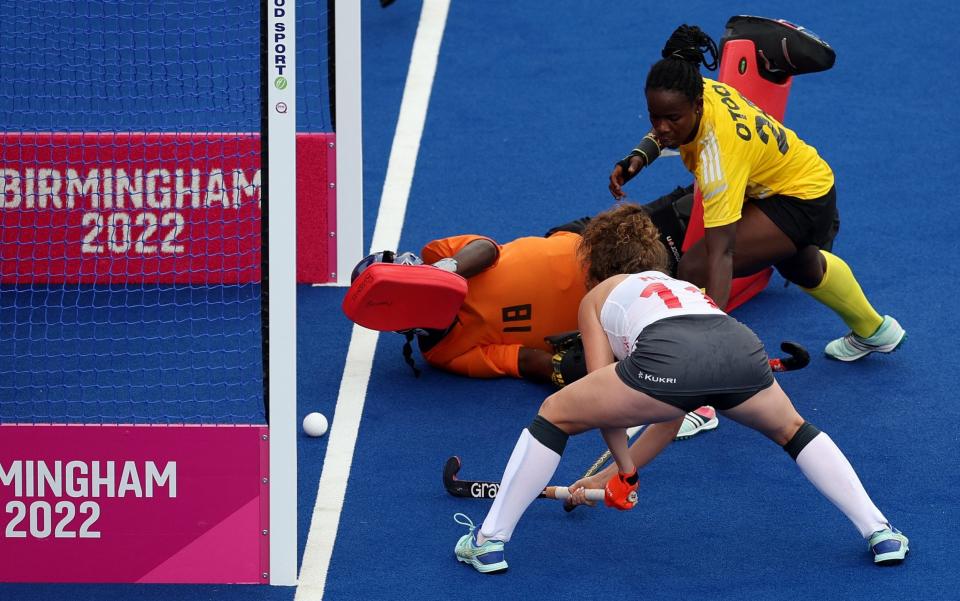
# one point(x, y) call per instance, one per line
point(768, 197)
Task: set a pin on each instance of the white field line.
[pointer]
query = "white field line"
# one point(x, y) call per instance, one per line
point(363, 343)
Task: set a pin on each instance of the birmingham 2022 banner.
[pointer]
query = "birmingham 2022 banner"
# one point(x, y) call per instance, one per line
point(134, 503)
point(154, 208)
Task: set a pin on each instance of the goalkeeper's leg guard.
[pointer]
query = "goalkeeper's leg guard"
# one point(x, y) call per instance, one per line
point(534, 460)
point(840, 291)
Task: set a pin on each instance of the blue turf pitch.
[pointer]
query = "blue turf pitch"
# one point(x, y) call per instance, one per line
point(531, 105)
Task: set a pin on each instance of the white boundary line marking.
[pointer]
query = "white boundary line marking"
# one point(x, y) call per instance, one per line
point(363, 343)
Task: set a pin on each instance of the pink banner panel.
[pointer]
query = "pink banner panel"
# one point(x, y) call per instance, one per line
point(130, 207)
point(127, 208)
point(316, 208)
point(133, 503)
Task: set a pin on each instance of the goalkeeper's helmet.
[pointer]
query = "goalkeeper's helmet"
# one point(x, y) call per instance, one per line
point(385, 256)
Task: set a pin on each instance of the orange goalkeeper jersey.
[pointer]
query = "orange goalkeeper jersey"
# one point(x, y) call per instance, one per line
point(532, 290)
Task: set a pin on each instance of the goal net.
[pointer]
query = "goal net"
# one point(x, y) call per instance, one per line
point(153, 154)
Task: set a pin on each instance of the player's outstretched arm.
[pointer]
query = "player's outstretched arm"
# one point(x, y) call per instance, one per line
point(471, 259)
point(623, 172)
point(627, 168)
point(644, 449)
point(535, 364)
point(618, 443)
point(719, 243)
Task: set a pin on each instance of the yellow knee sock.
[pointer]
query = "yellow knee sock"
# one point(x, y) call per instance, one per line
point(840, 291)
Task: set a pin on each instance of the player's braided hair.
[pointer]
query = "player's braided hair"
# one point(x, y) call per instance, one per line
point(679, 69)
point(621, 239)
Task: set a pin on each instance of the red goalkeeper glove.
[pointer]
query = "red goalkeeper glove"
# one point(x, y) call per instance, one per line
point(621, 491)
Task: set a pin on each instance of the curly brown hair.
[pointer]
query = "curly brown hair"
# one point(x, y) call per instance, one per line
point(621, 239)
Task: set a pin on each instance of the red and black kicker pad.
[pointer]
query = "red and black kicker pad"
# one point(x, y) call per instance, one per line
point(392, 298)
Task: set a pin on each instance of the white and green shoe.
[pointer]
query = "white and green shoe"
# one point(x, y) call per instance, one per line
point(889, 546)
point(699, 420)
point(851, 347)
point(486, 558)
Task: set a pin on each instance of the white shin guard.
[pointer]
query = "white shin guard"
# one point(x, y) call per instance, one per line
point(828, 469)
point(529, 470)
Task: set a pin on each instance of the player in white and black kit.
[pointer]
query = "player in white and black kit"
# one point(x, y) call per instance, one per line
point(674, 344)
point(657, 347)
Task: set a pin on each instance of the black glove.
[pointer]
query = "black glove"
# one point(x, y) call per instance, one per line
point(569, 363)
point(564, 340)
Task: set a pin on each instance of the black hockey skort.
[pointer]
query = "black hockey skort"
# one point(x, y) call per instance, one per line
point(695, 360)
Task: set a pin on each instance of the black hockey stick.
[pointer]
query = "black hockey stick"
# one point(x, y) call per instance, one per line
point(483, 489)
point(797, 357)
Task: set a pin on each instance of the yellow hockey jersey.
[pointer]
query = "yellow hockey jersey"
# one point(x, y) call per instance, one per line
point(741, 152)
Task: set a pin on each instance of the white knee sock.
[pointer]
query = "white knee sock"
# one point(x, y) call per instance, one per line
point(828, 469)
point(529, 470)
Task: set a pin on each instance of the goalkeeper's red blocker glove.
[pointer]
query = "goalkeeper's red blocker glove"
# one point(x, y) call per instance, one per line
point(621, 491)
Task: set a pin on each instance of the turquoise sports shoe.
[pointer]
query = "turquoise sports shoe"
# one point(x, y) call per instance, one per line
point(851, 347)
point(697, 421)
point(486, 558)
point(889, 546)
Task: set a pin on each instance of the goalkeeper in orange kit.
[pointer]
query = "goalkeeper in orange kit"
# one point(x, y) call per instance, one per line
point(519, 318)
point(516, 315)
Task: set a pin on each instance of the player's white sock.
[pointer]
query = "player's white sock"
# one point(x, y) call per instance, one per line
point(828, 469)
point(530, 468)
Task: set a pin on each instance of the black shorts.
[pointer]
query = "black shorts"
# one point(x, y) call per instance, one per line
point(695, 360)
point(805, 222)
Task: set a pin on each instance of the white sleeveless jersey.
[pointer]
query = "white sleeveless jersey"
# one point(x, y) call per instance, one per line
point(643, 298)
